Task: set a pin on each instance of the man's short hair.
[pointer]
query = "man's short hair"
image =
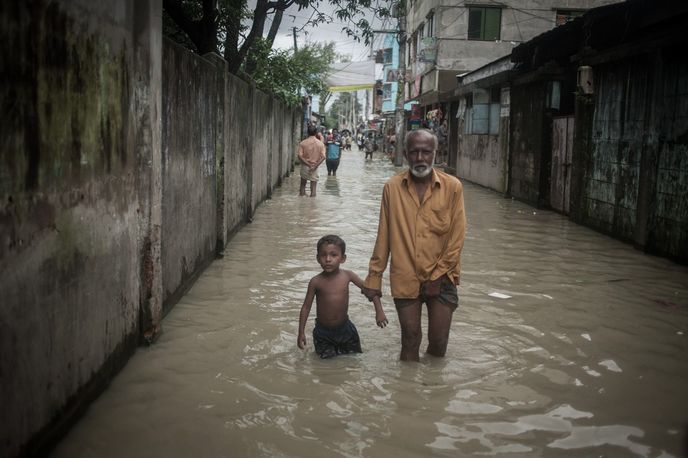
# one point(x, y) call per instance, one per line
point(312, 130)
point(412, 133)
point(332, 239)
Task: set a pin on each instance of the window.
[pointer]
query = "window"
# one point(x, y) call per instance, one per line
point(419, 37)
point(553, 98)
point(564, 16)
point(484, 23)
point(387, 56)
point(430, 29)
point(482, 112)
point(387, 91)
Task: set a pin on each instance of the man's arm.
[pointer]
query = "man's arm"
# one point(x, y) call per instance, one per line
point(380, 256)
point(303, 316)
point(380, 317)
point(321, 158)
point(300, 155)
point(457, 233)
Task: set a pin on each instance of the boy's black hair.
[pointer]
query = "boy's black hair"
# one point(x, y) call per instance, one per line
point(332, 240)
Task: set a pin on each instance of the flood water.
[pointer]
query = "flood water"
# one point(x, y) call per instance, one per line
point(584, 353)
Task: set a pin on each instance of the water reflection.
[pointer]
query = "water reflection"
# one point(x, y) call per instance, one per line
point(566, 343)
point(332, 186)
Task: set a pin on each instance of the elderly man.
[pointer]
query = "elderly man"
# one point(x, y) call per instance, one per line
point(422, 226)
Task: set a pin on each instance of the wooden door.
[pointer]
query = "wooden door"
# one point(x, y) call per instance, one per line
point(562, 144)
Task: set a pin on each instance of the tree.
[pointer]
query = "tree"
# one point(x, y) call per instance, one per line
point(218, 25)
point(341, 110)
point(286, 72)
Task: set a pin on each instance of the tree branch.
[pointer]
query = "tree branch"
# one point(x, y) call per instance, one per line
point(276, 21)
point(176, 11)
point(259, 14)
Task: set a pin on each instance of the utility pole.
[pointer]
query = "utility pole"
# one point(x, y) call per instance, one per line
point(370, 93)
point(399, 121)
point(305, 99)
point(353, 111)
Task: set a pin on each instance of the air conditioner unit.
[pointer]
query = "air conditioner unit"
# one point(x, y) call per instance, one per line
point(585, 79)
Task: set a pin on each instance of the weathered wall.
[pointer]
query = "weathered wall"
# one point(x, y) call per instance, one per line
point(527, 144)
point(483, 159)
point(617, 130)
point(189, 127)
point(636, 184)
point(112, 193)
point(238, 151)
point(262, 122)
point(71, 250)
point(479, 160)
point(521, 21)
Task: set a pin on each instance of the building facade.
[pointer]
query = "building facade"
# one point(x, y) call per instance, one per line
point(589, 119)
point(446, 38)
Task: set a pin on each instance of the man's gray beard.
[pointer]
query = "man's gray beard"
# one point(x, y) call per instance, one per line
point(418, 174)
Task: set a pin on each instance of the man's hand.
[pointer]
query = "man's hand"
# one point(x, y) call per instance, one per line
point(371, 293)
point(301, 341)
point(431, 288)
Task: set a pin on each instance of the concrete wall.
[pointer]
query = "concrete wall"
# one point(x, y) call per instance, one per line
point(238, 152)
point(114, 196)
point(189, 127)
point(481, 160)
point(484, 159)
point(261, 137)
point(70, 225)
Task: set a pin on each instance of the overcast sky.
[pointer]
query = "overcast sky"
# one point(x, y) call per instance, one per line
point(323, 33)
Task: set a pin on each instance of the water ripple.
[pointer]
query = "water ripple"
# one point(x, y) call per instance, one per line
point(581, 353)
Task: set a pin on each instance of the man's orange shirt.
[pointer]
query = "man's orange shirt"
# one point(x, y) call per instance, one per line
point(424, 238)
point(311, 149)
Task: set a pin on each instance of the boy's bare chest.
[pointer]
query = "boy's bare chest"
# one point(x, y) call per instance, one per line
point(333, 286)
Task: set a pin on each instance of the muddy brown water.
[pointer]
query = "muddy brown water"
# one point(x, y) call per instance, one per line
point(582, 351)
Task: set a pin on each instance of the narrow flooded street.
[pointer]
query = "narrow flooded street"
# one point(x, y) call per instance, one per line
point(567, 343)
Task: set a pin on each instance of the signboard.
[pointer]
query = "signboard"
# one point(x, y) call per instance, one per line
point(392, 75)
point(428, 50)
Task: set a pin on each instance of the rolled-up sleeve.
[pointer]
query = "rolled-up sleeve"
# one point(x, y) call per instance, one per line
point(380, 256)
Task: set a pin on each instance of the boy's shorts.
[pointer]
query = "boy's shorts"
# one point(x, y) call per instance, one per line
point(335, 341)
point(448, 295)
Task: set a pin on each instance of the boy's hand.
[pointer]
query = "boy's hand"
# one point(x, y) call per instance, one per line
point(381, 319)
point(301, 341)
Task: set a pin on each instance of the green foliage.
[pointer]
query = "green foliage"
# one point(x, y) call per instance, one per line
point(230, 28)
point(341, 108)
point(222, 25)
point(285, 72)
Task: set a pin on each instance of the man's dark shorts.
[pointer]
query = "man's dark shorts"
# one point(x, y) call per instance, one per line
point(335, 341)
point(448, 295)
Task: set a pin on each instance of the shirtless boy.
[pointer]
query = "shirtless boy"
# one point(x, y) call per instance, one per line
point(334, 333)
